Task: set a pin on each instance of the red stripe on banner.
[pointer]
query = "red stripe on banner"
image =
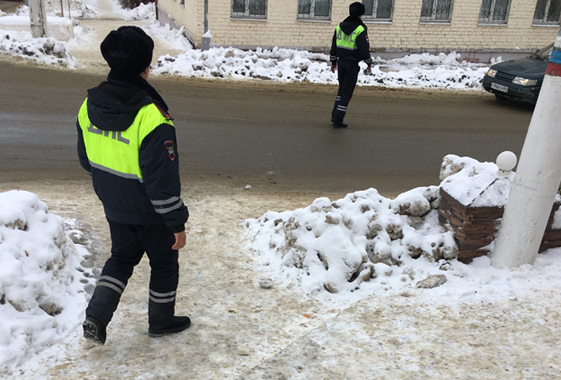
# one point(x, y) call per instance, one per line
point(553, 69)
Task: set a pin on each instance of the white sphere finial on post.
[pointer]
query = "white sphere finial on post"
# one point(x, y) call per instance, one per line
point(506, 161)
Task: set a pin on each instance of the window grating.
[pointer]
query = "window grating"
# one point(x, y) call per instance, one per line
point(547, 12)
point(378, 10)
point(249, 9)
point(314, 9)
point(494, 11)
point(436, 10)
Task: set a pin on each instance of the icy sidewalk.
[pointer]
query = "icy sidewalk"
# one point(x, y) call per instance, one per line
point(243, 331)
point(93, 28)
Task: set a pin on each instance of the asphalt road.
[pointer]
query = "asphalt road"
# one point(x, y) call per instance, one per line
point(269, 135)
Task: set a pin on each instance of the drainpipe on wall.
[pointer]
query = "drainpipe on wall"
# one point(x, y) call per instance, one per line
point(205, 39)
point(537, 177)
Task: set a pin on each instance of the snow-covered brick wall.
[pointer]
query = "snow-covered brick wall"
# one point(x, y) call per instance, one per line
point(340, 245)
point(474, 183)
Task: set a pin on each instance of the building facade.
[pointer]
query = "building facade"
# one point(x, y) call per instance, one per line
point(477, 28)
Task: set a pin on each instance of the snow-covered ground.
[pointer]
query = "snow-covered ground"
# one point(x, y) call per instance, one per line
point(335, 289)
point(328, 290)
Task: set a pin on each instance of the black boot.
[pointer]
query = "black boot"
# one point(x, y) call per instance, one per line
point(337, 118)
point(178, 324)
point(161, 319)
point(339, 124)
point(334, 111)
point(101, 307)
point(94, 330)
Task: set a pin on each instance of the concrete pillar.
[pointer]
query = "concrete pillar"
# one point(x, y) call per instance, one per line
point(537, 177)
point(38, 18)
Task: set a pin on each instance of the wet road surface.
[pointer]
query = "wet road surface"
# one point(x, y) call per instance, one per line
point(269, 135)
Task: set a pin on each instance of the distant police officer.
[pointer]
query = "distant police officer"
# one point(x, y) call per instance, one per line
point(350, 46)
point(127, 143)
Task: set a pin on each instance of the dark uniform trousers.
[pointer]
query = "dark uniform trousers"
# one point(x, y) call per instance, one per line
point(347, 74)
point(129, 242)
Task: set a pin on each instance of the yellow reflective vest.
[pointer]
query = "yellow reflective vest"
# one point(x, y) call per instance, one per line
point(117, 152)
point(347, 41)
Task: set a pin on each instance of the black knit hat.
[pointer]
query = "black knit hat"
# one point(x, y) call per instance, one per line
point(356, 9)
point(128, 50)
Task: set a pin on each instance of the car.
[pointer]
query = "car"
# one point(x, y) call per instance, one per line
point(518, 79)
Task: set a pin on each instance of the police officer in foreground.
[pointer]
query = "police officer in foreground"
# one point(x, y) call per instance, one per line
point(350, 46)
point(127, 143)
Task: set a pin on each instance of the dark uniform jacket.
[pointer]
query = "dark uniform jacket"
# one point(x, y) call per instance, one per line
point(362, 53)
point(113, 106)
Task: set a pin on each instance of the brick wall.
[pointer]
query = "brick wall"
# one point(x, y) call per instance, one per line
point(405, 33)
point(190, 15)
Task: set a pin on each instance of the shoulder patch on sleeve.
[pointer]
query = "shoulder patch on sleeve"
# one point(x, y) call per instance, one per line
point(170, 149)
point(162, 111)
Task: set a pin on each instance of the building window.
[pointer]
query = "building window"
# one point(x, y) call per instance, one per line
point(314, 9)
point(436, 10)
point(547, 12)
point(249, 9)
point(379, 10)
point(494, 11)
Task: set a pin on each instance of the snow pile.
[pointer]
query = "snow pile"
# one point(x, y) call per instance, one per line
point(41, 279)
point(238, 64)
point(338, 245)
point(430, 59)
point(46, 50)
point(174, 38)
point(144, 12)
point(285, 65)
point(347, 245)
point(461, 76)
